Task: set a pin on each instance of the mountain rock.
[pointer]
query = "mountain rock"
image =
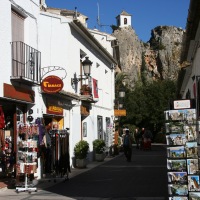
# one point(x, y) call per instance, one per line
point(158, 59)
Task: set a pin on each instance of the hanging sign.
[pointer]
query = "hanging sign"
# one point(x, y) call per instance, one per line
point(120, 112)
point(52, 84)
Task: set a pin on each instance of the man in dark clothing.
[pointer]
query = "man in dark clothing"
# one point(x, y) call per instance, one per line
point(127, 144)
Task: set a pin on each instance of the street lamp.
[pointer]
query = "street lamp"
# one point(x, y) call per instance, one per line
point(87, 64)
point(121, 98)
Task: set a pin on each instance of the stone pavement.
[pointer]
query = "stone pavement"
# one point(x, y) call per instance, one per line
point(48, 182)
point(9, 183)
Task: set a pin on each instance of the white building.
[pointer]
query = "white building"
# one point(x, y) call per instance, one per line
point(43, 46)
point(190, 73)
point(123, 19)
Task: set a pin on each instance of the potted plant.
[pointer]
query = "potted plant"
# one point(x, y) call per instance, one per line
point(80, 152)
point(99, 149)
point(85, 90)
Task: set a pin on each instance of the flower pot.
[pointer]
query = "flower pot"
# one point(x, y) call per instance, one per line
point(99, 157)
point(81, 163)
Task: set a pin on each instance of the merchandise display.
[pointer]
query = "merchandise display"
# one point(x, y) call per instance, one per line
point(27, 157)
point(182, 154)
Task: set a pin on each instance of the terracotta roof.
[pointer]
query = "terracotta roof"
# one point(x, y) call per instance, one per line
point(124, 13)
point(65, 12)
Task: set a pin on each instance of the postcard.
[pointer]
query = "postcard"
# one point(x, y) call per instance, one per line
point(176, 139)
point(191, 149)
point(178, 198)
point(193, 183)
point(176, 152)
point(192, 166)
point(191, 132)
point(194, 195)
point(178, 189)
point(177, 177)
point(174, 127)
point(185, 114)
point(176, 165)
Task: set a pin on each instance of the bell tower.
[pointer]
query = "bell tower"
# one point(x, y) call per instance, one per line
point(123, 19)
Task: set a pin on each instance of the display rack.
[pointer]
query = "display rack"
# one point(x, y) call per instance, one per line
point(26, 158)
point(26, 186)
point(182, 154)
point(60, 153)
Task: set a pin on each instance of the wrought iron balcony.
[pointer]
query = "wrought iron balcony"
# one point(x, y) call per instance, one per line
point(26, 64)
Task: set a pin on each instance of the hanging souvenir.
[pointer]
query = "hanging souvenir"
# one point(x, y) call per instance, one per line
point(2, 118)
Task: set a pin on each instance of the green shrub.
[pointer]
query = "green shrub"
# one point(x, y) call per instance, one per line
point(99, 146)
point(81, 149)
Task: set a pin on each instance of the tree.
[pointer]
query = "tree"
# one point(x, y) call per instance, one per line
point(146, 104)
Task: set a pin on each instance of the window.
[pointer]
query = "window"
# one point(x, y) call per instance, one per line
point(17, 27)
point(125, 20)
point(84, 129)
point(100, 127)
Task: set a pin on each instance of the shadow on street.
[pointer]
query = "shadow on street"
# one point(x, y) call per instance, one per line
point(144, 177)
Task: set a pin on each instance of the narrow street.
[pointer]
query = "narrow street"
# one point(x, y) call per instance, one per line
point(145, 177)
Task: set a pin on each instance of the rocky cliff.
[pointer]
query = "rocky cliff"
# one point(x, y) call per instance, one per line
point(159, 58)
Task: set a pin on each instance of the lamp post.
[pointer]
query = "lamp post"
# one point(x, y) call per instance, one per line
point(119, 104)
point(86, 64)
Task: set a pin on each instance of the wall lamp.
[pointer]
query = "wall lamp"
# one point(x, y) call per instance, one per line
point(86, 69)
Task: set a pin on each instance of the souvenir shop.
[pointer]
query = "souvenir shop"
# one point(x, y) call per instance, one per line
point(31, 147)
point(12, 114)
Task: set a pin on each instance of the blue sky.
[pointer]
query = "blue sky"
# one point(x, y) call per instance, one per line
point(146, 14)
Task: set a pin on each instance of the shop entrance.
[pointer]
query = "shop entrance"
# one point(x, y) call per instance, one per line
point(8, 136)
point(57, 158)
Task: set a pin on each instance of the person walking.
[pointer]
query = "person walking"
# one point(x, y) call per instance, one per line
point(127, 144)
point(137, 137)
point(141, 139)
point(147, 137)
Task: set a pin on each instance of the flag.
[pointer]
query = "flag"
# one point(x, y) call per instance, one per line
point(95, 89)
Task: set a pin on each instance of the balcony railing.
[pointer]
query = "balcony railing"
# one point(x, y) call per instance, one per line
point(26, 63)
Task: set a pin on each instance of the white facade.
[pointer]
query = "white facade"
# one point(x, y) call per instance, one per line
point(123, 19)
point(63, 43)
point(190, 73)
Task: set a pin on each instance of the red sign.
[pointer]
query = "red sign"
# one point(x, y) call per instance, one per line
point(52, 84)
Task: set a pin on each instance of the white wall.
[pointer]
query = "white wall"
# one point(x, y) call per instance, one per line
point(122, 21)
point(60, 45)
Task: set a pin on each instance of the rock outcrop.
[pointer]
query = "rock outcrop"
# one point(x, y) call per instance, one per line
point(159, 58)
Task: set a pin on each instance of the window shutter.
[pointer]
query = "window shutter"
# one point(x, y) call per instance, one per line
point(17, 27)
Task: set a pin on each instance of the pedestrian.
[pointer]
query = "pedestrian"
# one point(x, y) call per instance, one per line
point(141, 139)
point(127, 144)
point(147, 137)
point(137, 137)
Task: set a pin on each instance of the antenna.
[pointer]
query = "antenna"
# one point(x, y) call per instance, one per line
point(98, 18)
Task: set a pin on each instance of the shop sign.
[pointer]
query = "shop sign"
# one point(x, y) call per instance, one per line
point(182, 104)
point(120, 113)
point(52, 84)
point(52, 109)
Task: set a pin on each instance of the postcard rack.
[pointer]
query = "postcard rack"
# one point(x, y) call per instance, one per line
point(27, 152)
point(28, 167)
point(182, 154)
